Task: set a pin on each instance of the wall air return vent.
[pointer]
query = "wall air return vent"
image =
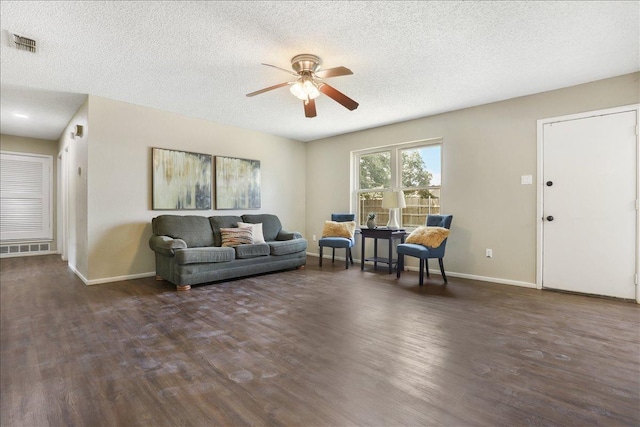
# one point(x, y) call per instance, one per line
point(24, 249)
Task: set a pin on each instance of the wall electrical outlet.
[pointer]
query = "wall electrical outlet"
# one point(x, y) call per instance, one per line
point(314, 237)
point(489, 253)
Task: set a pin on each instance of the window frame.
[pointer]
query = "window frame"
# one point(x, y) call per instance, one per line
point(396, 171)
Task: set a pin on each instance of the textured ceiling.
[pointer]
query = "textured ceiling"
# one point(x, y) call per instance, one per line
point(409, 59)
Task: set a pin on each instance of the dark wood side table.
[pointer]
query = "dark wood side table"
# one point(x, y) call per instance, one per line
point(381, 233)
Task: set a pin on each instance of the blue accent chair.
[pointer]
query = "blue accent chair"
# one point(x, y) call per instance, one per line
point(339, 242)
point(425, 252)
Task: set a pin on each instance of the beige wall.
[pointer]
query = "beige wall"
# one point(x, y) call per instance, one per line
point(485, 151)
point(119, 179)
point(45, 147)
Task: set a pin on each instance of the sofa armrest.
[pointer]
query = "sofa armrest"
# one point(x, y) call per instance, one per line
point(165, 245)
point(286, 235)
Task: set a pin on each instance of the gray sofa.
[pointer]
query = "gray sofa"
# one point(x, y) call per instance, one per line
point(188, 249)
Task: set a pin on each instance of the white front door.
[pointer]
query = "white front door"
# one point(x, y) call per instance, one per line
point(589, 205)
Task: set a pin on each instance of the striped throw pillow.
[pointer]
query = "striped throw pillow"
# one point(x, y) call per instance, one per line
point(236, 236)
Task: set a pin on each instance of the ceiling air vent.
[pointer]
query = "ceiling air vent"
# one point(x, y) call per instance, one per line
point(24, 43)
point(18, 42)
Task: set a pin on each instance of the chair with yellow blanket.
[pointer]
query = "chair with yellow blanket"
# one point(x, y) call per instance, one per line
point(426, 242)
point(339, 233)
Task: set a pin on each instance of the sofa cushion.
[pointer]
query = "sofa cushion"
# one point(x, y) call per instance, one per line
point(222, 221)
point(194, 230)
point(202, 255)
point(236, 236)
point(288, 246)
point(258, 235)
point(288, 235)
point(252, 251)
point(270, 224)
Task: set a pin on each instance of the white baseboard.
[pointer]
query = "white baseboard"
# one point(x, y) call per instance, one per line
point(110, 279)
point(450, 274)
point(77, 273)
point(480, 278)
point(338, 258)
point(120, 278)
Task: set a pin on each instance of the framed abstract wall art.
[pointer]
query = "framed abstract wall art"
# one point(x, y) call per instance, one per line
point(181, 180)
point(237, 183)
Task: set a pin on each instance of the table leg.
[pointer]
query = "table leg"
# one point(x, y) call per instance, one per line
point(390, 255)
point(362, 256)
point(375, 253)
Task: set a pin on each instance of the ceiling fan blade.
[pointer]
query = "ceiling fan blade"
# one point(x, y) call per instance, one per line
point(338, 96)
point(333, 72)
point(309, 108)
point(267, 89)
point(282, 69)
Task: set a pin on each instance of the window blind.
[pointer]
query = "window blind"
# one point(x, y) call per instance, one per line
point(25, 196)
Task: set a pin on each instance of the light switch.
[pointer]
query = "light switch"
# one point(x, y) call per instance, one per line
point(526, 179)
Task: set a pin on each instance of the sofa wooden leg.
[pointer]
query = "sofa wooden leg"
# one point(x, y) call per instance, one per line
point(159, 279)
point(302, 267)
point(183, 287)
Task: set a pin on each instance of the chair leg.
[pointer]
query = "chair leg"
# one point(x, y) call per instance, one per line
point(346, 258)
point(426, 266)
point(333, 257)
point(421, 272)
point(444, 276)
point(320, 256)
point(351, 256)
point(400, 265)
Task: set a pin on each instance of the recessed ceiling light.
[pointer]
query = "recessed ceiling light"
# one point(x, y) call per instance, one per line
point(22, 116)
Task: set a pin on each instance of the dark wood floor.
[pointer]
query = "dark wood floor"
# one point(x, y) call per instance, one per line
point(330, 347)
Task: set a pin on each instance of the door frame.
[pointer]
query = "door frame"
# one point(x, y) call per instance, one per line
point(540, 179)
point(62, 231)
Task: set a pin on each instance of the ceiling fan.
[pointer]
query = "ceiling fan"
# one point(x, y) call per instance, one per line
point(309, 83)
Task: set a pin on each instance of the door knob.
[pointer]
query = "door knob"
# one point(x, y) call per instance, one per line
point(549, 218)
point(549, 183)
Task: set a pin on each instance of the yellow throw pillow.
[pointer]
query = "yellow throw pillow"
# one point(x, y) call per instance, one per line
point(339, 229)
point(428, 236)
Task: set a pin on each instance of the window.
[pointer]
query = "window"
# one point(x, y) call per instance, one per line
point(414, 168)
point(25, 197)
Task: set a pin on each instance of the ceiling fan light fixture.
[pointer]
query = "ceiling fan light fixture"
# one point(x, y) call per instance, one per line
point(304, 89)
point(310, 83)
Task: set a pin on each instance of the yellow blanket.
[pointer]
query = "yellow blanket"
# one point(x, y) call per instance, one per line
point(428, 236)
